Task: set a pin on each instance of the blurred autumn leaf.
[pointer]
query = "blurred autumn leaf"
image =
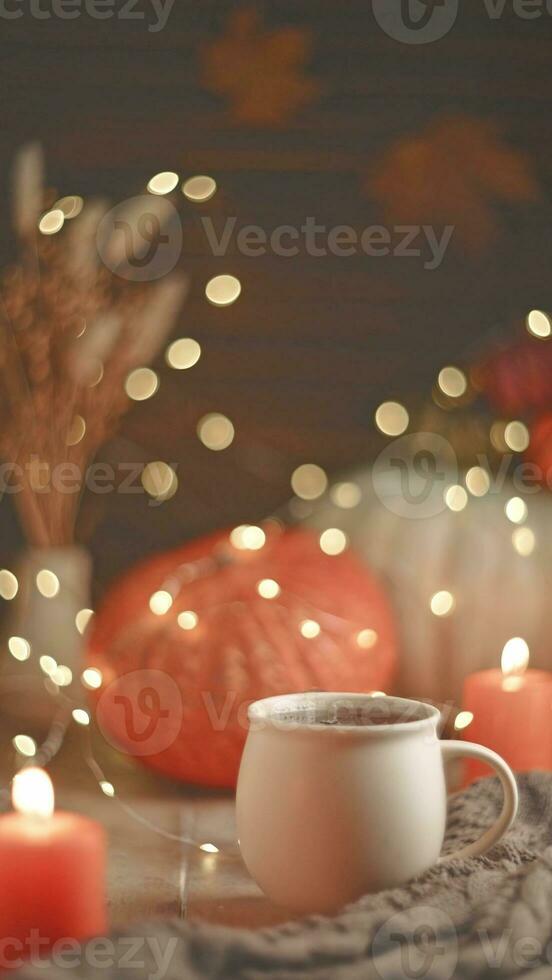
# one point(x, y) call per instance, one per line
point(456, 173)
point(260, 73)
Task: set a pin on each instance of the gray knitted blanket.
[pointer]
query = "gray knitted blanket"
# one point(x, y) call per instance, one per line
point(484, 917)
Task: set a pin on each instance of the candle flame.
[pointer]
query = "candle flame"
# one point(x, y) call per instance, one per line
point(515, 657)
point(33, 793)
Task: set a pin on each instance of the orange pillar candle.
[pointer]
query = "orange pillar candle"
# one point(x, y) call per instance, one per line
point(52, 872)
point(512, 712)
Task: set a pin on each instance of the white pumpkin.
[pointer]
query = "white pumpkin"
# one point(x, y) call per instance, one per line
point(497, 592)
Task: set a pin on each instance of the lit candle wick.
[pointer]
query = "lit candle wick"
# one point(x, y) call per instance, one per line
point(33, 793)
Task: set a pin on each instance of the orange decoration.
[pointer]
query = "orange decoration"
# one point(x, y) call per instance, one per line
point(227, 625)
point(453, 173)
point(260, 73)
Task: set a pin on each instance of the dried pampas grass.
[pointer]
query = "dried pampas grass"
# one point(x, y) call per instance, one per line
point(70, 333)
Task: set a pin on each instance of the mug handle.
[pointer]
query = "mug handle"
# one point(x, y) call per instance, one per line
point(453, 750)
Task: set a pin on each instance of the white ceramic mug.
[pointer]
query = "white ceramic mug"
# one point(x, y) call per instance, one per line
point(342, 794)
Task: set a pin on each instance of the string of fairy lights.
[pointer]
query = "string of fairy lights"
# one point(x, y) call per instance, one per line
point(309, 482)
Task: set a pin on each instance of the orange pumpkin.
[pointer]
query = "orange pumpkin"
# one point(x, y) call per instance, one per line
point(186, 640)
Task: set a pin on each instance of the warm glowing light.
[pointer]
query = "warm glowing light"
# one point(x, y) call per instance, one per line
point(309, 628)
point(209, 848)
point(62, 676)
point(187, 620)
point(452, 382)
point(141, 384)
point(441, 603)
point(8, 584)
point(82, 619)
point(236, 537)
point(19, 648)
point(253, 537)
point(199, 188)
point(523, 540)
point(462, 720)
point(159, 480)
point(47, 664)
point(515, 656)
point(107, 788)
point(516, 510)
point(539, 324)
point(47, 583)
point(268, 588)
point(76, 432)
point(25, 745)
point(71, 206)
point(215, 431)
point(92, 678)
point(81, 716)
point(51, 222)
point(223, 290)
point(478, 481)
point(33, 793)
point(456, 498)
point(309, 481)
point(333, 541)
point(163, 183)
point(160, 602)
point(392, 418)
point(516, 436)
point(183, 353)
point(346, 495)
point(366, 639)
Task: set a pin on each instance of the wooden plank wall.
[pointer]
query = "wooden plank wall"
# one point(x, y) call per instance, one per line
point(313, 344)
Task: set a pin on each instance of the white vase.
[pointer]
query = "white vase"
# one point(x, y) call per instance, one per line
point(47, 623)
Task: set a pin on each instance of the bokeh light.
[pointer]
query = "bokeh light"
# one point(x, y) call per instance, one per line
point(456, 498)
point(452, 382)
point(223, 290)
point(442, 603)
point(516, 436)
point(215, 431)
point(9, 586)
point(199, 188)
point(163, 183)
point(47, 583)
point(159, 480)
point(346, 495)
point(539, 324)
point(478, 481)
point(516, 510)
point(392, 418)
point(309, 481)
point(141, 384)
point(333, 541)
point(183, 353)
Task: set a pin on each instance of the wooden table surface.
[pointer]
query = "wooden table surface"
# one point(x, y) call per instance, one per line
point(152, 872)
